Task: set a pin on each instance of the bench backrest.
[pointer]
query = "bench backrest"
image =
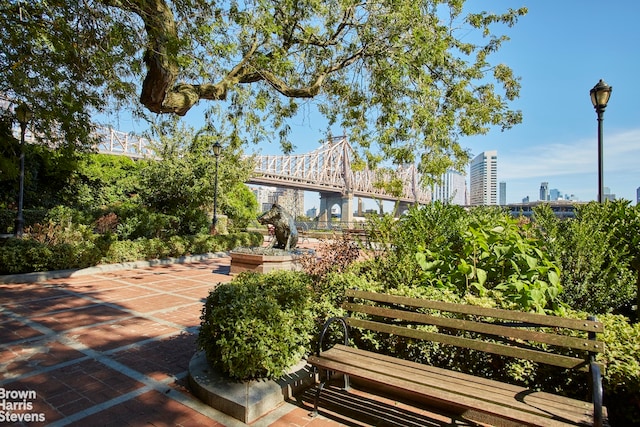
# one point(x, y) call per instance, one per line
point(491, 330)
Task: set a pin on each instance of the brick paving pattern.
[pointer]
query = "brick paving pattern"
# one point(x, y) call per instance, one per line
point(112, 348)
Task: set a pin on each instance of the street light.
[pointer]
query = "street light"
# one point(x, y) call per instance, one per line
point(23, 114)
point(600, 95)
point(216, 152)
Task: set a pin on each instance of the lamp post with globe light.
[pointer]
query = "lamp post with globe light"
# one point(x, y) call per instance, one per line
point(600, 95)
point(216, 152)
point(23, 114)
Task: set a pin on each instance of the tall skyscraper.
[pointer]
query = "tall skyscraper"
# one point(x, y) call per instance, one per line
point(544, 191)
point(638, 196)
point(484, 179)
point(555, 194)
point(503, 193)
point(452, 188)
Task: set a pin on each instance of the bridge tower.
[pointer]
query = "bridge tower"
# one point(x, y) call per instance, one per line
point(328, 200)
point(343, 199)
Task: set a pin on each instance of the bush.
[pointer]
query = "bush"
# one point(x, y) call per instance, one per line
point(498, 254)
point(8, 218)
point(436, 226)
point(21, 256)
point(258, 325)
point(28, 255)
point(622, 374)
point(595, 252)
point(124, 251)
point(333, 255)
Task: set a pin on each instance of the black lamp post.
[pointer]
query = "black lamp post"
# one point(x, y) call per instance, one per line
point(599, 98)
point(216, 152)
point(23, 114)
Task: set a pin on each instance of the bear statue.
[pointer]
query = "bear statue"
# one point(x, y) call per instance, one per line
point(286, 233)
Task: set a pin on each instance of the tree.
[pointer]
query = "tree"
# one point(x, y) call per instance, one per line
point(404, 77)
point(181, 183)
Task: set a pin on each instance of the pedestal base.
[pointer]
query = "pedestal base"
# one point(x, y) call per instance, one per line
point(261, 263)
point(245, 401)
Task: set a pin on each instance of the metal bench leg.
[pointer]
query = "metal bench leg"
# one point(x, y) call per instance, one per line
point(315, 403)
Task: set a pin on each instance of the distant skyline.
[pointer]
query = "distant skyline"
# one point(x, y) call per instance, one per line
point(560, 50)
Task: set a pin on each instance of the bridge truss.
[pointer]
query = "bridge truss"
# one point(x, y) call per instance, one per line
point(328, 169)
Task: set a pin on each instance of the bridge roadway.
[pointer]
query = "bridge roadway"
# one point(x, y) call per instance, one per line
point(326, 170)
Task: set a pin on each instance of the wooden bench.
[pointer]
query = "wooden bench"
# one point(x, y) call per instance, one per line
point(358, 235)
point(494, 331)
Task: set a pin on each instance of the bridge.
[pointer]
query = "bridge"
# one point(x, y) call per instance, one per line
point(326, 170)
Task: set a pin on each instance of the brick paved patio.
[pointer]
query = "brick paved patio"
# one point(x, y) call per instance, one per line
point(112, 348)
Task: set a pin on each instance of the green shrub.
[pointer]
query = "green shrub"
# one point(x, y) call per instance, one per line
point(66, 216)
point(498, 254)
point(155, 248)
point(23, 256)
point(436, 226)
point(205, 243)
point(241, 239)
point(258, 325)
point(622, 373)
point(79, 255)
point(124, 251)
point(29, 255)
point(595, 253)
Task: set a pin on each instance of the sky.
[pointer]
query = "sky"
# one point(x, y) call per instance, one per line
point(560, 49)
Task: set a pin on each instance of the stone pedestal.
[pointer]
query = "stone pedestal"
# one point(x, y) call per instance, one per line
point(245, 401)
point(262, 263)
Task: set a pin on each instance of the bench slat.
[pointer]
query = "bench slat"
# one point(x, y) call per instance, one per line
point(372, 370)
point(454, 380)
point(485, 328)
point(495, 348)
point(534, 319)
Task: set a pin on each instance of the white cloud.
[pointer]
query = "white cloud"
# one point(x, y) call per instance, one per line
point(572, 166)
point(621, 152)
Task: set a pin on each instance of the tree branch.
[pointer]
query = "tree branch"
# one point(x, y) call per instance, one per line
point(160, 92)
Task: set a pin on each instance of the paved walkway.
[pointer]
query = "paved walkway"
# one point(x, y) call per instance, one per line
point(112, 348)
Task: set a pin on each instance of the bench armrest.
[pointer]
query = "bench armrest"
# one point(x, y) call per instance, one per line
point(596, 389)
point(325, 328)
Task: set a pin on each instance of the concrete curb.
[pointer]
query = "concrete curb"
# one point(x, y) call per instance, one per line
point(250, 400)
point(39, 276)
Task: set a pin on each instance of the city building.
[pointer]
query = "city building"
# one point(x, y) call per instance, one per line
point(638, 196)
point(525, 200)
point(291, 200)
point(555, 194)
point(503, 193)
point(608, 195)
point(561, 208)
point(484, 179)
point(452, 189)
point(544, 191)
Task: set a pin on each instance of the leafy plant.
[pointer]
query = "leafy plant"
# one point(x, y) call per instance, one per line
point(595, 253)
point(333, 255)
point(497, 254)
point(258, 325)
point(436, 227)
